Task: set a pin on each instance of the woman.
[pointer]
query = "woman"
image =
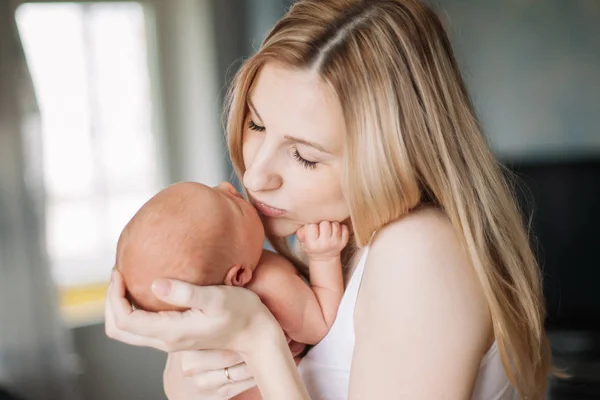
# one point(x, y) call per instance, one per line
point(355, 111)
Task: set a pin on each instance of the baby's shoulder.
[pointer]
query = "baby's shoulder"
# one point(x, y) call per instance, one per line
point(270, 259)
point(273, 274)
point(273, 264)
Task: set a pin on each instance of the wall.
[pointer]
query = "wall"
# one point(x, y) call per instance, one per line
point(533, 69)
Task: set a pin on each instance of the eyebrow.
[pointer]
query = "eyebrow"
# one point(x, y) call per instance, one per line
point(307, 143)
point(254, 109)
point(292, 138)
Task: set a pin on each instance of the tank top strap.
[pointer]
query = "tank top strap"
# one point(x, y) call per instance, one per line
point(356, 278)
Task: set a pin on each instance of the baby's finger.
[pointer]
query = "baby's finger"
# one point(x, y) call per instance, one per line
point(345, 234)
point(301, 234)
point(335, 230)
point(312, 232)
point(325, 229)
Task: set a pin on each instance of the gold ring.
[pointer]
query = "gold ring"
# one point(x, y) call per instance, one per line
point(226, 370)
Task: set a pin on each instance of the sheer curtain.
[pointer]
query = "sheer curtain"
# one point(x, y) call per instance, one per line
point(35, 354)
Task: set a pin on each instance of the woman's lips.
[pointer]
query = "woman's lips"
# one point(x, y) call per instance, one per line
point(267, 210)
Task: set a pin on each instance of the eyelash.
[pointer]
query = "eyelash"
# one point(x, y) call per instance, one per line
point(305, 163)
point(255, 127)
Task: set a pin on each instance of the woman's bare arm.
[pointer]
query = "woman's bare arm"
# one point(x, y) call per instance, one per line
point(274, 369)
point(422, 324)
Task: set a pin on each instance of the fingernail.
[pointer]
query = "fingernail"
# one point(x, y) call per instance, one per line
point(161, 287)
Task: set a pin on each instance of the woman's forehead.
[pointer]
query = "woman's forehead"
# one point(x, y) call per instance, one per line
point(297, 102)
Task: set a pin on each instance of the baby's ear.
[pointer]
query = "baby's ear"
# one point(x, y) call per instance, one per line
point(238, 275)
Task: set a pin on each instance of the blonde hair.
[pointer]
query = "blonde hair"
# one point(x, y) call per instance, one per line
point(412, 135)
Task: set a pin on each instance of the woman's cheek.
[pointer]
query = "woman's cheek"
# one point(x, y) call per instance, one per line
point(248, 148)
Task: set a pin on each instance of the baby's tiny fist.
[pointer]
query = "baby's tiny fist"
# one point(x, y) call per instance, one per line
point(324, 240)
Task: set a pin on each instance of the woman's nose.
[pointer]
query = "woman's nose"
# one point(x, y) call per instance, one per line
point(261, 175)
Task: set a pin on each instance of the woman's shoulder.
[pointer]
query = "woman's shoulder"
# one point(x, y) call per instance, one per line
point(424, 220)
point(422, 245)
point(419, 262)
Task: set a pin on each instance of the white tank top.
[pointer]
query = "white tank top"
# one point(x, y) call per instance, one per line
point(326, 368)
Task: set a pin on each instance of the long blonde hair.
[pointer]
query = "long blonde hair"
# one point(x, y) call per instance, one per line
point(412, 134)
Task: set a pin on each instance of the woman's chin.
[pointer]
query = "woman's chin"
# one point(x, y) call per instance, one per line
point(280, 227)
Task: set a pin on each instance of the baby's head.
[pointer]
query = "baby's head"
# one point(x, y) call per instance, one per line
point(193, 233)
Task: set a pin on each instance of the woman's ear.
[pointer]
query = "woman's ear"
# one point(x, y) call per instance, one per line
point(238, 275)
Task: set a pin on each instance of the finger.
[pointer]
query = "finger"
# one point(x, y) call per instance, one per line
point(142, 328)
point(303, 247)
point(124, 317)
point(214, 379)
point(345, 234)
point(336, 231)
point(184, 294)
point(197, 362)
point(123, 336)
point(138, 341)
point(301, 234)
point(239, 372)
point(116, 293)
point(312, 232)
point(233, 389)
point(325, 229)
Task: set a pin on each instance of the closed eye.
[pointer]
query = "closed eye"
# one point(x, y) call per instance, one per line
point(304, 162)
point(255, 127)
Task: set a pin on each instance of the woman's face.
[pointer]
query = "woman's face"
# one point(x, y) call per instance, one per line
point(292, 147)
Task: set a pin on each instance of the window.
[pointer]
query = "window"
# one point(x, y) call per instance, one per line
point(89, 66)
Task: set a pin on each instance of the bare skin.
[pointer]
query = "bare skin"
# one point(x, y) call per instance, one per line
point(417, 278)
point(165, 239)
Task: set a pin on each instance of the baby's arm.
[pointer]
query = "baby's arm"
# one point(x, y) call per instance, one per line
point(304, 313)
point(323, 244)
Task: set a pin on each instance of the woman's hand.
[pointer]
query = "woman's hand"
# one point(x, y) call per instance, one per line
point(201, 375)
point(220, 317)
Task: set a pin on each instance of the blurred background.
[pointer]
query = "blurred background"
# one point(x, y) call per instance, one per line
point(104, 103)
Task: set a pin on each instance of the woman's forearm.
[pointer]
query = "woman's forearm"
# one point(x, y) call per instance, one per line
point(273, 367)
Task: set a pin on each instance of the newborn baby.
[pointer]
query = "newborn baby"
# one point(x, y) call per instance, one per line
point(212, 236)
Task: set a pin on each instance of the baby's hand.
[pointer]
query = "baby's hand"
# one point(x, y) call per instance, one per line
point(323, 241)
